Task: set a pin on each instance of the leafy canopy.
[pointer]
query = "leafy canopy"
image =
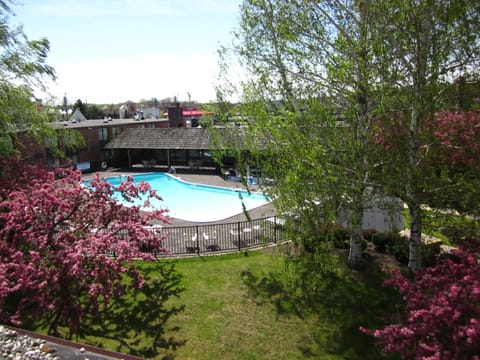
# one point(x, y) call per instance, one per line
point(66, 248)
point(23, 69)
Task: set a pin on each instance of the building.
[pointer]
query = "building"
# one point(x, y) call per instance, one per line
point(167, 147)
point(189, 116)
point(93, 154)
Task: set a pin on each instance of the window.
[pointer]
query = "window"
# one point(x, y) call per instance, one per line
point(103, 134)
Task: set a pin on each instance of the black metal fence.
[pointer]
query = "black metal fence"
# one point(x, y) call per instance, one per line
point(229, 237)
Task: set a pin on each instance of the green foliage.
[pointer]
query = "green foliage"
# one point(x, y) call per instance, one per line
point(23, 68)
point(392, 244)
point(380, 240)
point(335, 234)
point(398, 247)
point(368, 234)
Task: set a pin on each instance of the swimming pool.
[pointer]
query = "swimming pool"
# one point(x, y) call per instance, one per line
point(195, 202)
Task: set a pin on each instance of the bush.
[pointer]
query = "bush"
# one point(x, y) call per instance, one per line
point(441, 320)
point(430, 254)
point(470, 244)
point(398, 247)
point(380, 240)
point(339, 235)
point(334, 233)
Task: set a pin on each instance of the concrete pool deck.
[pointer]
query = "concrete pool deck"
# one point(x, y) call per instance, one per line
point(199, 177)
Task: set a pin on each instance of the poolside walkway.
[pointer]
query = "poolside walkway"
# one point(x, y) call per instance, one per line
point(198, 177)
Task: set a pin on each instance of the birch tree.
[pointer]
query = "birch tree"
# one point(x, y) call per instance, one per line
point(382, 64)
point(309, 93)
point(428, 44)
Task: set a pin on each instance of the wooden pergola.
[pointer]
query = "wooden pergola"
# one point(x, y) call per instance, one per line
point(168, 139)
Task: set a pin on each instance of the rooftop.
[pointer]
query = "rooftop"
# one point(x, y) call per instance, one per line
point(178, 138)
point(106, 122)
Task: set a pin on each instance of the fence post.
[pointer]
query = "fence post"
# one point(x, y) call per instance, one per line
point(275, 229)
point(239, 236)
point(198, 240)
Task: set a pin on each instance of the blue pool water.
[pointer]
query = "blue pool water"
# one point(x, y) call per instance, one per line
point(195, 202)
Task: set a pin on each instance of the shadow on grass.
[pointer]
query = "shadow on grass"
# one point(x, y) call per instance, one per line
point(138, 323)
point(339, 302)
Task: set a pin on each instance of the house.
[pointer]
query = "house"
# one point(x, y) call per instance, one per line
point(77, 116)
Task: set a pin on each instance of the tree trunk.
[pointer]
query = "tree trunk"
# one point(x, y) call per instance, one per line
point(415, 254)
point(420, 101)
point(355, 255)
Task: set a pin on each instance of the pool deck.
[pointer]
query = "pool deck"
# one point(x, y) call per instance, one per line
point(199, 177)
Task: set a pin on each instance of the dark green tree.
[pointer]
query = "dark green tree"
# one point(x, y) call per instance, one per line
point(23, 68)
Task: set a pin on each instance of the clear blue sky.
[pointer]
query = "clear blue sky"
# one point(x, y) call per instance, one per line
point(111, 51)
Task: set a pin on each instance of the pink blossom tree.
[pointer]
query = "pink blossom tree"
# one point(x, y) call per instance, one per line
point(457, 136)
point(451, 151)
point(442, 317)
point(67, 248)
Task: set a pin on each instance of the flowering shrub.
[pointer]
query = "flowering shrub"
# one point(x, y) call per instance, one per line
point(55, 240)
point(442, 318)
point(458, 136)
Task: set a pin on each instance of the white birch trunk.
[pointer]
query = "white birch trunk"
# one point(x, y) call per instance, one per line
point(355, 255)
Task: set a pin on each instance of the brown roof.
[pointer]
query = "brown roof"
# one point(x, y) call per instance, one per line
point(165, 138)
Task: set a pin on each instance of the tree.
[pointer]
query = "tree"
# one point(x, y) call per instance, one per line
point(80, 106)
point(365, 61)
point(22, 69)
point(65, 248)
point(312, 96)
point(451, 150)
point(442, 312)
point(426, 43)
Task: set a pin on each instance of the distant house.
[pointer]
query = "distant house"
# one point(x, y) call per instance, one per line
point(77, 116)
point(149, 113)
point(190, 116)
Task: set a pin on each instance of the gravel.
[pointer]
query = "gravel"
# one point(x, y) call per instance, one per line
point(17, 347)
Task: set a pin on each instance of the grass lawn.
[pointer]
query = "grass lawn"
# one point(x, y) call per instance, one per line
point(237, 306)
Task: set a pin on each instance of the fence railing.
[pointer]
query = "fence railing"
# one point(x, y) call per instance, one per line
point(228, 237)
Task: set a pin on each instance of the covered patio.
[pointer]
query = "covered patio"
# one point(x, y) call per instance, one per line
point(165, 147)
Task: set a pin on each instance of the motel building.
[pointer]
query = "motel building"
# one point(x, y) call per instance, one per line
point(174, 140)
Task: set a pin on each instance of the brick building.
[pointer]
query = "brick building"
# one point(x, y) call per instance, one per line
point(92, 155)
point(180, 147)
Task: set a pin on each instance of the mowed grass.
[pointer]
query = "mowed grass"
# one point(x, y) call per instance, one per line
point(236, 307)
point(253, 306)
point(223, 319)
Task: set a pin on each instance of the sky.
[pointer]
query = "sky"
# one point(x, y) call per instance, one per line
point(112, 51)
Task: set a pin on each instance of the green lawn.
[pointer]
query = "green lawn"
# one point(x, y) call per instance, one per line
point(237, 306)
